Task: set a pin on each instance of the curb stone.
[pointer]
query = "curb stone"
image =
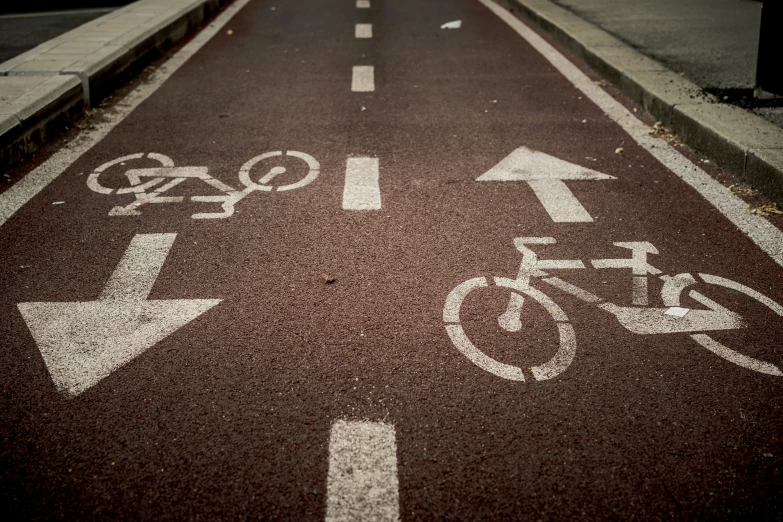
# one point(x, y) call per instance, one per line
point(747, 145)
point(38, 96)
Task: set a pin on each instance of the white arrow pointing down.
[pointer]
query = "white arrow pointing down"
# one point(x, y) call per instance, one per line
point(84, 342)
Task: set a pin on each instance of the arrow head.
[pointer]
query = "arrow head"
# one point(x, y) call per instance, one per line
point(529, 165)
point(82, 343)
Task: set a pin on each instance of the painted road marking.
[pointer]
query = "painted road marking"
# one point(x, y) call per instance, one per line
point(362, 482)
point(363, 78)
point(362, 191)
point(768, 237)
point(363, 31)
point(362, 4)
point(545, 175)
point(84, 342)
point(36, 180)
point(638, 265)
point(168, 176)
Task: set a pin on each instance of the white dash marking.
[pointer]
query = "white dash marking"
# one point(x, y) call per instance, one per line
point(362, 482)
point(362, 4)
point(768, 237)
point(362, 191)
point(363, 31)
point(363, 78)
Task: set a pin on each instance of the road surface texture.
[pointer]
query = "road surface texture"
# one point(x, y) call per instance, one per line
point(338, 272)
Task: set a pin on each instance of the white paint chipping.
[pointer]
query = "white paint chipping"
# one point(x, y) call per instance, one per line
point(83, 342)
point(456, 24)
point(36, 180)
point(677, 311)
point(362, 4)
point(363, 31)
point(362, 191)
point(363, 78)
point(546, 174)
point(768, 237)
point(362, 483)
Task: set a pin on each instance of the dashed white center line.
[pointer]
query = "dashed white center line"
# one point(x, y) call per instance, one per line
point(362, 482)
point(363, 31)
point(361, 190)
point(362, 4)
point(363, 78)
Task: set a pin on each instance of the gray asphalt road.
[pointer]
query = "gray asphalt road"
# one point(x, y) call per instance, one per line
point(20, 32)
point(328, 271)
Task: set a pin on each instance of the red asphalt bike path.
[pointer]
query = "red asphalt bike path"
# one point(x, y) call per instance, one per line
point(229, 416)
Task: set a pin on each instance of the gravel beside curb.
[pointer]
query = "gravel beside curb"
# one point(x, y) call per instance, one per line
point(45, 88)
point(746, 145)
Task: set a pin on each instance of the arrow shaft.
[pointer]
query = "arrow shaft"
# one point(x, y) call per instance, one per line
point(138, 269)
point(559, 201)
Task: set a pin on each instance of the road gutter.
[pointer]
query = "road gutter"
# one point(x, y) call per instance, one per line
point(46, 88)
point(746, 145)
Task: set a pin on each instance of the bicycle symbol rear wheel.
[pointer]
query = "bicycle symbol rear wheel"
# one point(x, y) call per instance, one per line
point(552, 368)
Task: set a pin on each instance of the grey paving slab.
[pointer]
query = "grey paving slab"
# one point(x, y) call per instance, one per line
point(713, 41)
point(724, 132)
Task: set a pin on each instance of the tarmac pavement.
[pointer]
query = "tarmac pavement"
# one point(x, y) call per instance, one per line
point(302, 275)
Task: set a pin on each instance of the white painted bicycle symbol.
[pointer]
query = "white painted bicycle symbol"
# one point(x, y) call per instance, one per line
point(149, 184)
point(641, 319)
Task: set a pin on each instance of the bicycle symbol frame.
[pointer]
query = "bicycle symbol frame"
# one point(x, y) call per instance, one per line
point(641, 319)
point(162, 179)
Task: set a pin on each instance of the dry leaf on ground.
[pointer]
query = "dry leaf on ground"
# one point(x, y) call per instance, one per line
point(765, 209)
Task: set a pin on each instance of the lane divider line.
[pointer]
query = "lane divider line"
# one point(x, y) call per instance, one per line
point(362, 4)
point(363, 31)
point(39, 178)
point(363, 78)
point(768, 237)
point(362, 481)
point(362, 191)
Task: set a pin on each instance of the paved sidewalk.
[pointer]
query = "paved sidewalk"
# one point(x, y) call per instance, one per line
point(20, 32)
point(713, 42)
point(45, 88)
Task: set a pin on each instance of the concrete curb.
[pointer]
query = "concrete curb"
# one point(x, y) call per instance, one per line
point(743, 143)
point(45, 88)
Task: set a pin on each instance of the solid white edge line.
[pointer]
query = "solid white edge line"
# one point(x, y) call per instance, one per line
point(768, 237)
point(36, 180)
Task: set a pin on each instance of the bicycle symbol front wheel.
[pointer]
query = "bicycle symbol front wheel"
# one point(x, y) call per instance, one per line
point(314, 168)
point(552, 368)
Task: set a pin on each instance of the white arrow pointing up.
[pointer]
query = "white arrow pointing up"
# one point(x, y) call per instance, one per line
point(545, 175)
point(84, 342)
